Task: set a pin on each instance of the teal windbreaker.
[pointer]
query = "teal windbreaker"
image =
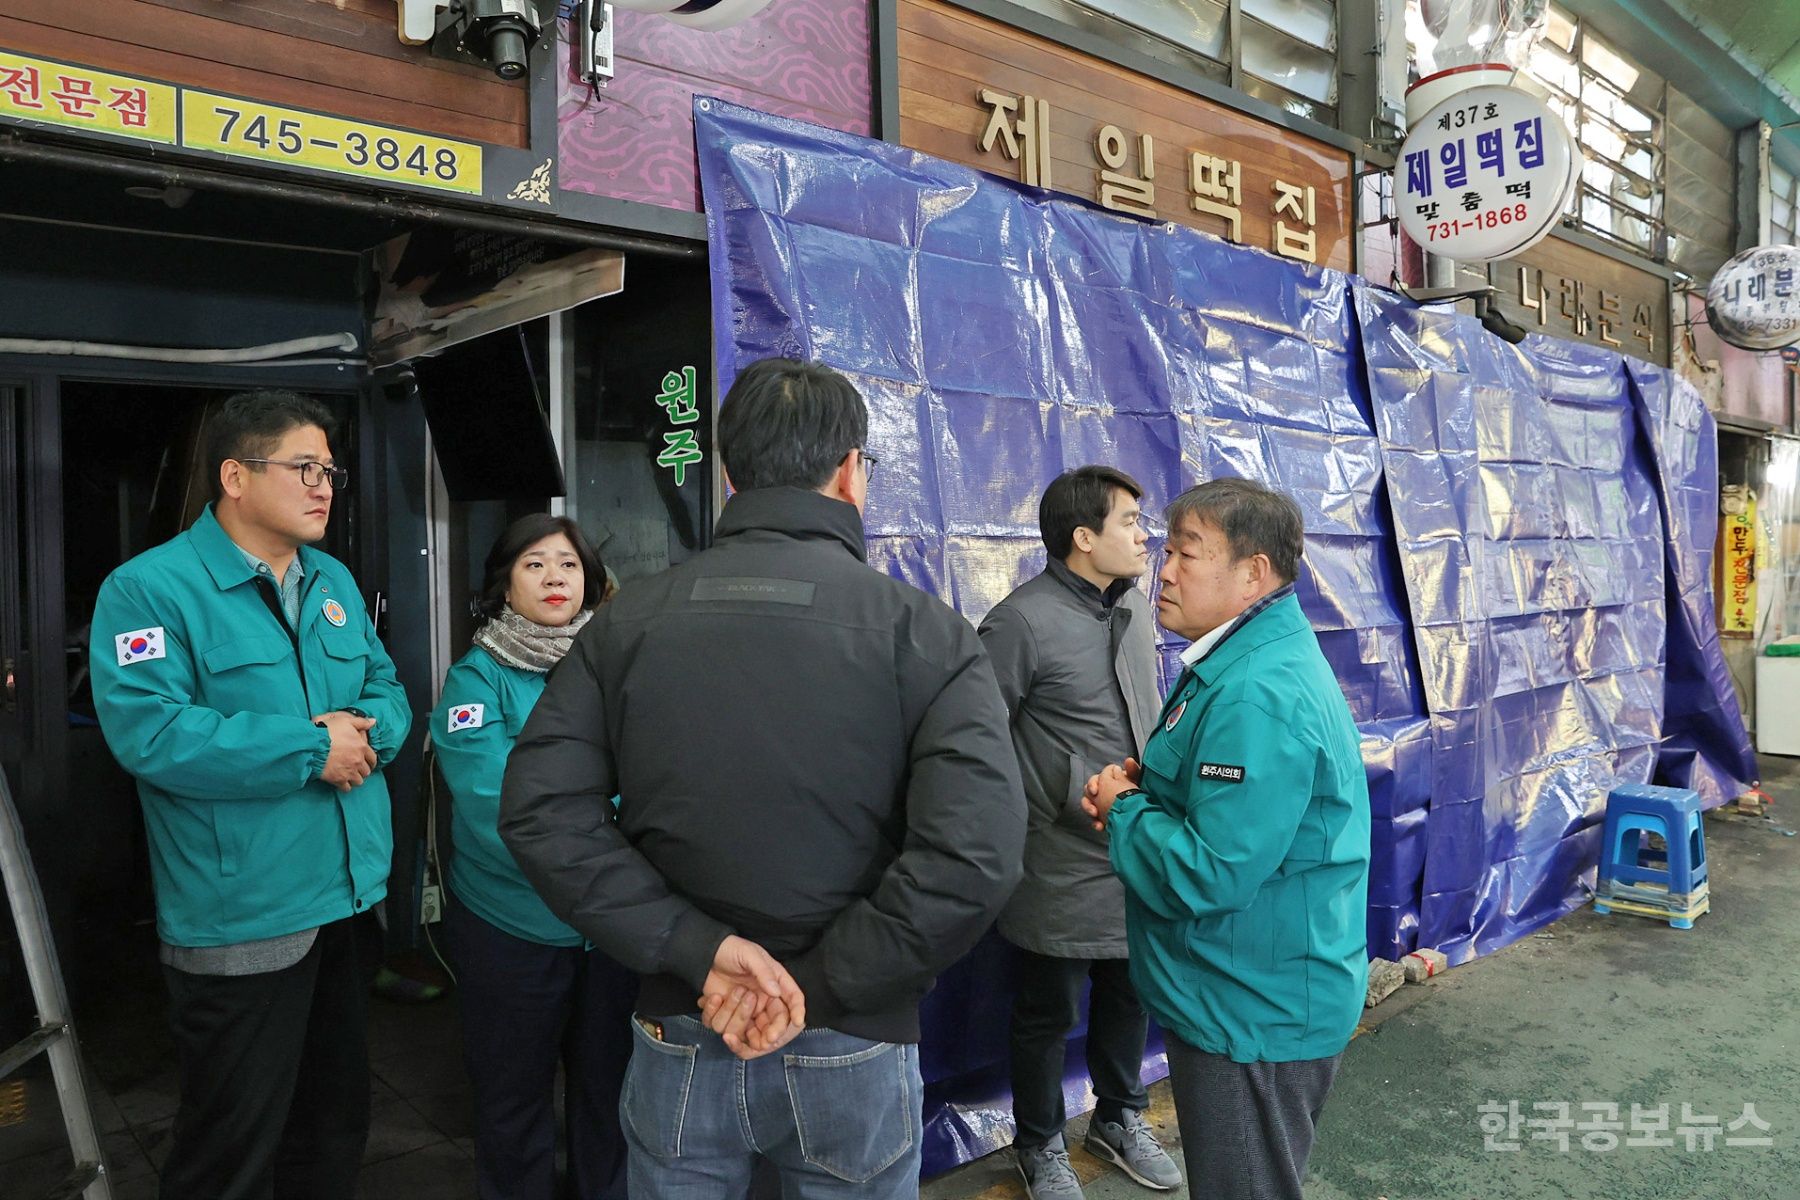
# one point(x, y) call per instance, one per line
point(484, 705)
point(1246, 855)
point(206, 699)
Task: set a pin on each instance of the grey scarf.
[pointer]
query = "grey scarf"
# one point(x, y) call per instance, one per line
point(517, 642)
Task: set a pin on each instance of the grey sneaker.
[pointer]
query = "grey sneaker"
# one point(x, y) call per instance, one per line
point(1133, 1149)
point(1048, 1175)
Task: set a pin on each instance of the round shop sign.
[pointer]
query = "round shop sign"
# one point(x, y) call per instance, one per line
point(1754, 300)
point(1484, 175)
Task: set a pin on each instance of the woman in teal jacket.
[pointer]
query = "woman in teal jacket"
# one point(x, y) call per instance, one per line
point(532, 994)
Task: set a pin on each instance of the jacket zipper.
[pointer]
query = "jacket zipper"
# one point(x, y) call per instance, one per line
point(265, 587)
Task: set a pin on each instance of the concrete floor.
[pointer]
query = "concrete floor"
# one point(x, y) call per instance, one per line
point(1595, 1009)
point(420, 1128)
point(1602, 1010)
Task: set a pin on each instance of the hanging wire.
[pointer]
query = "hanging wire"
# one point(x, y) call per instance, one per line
point(434, 870)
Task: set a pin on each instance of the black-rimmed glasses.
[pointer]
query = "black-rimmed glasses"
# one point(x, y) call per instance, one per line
point(312, 472)
point(869, 462)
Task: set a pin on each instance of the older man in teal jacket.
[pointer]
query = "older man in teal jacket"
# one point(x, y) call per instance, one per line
point(238, 677)
point(1243, 843)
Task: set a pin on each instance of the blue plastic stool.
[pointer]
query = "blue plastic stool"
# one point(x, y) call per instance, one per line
point(1633, 813)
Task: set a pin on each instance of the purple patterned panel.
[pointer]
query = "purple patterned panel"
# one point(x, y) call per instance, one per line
point(798, 58)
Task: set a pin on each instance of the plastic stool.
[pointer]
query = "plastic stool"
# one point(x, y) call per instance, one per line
point(1675, 887)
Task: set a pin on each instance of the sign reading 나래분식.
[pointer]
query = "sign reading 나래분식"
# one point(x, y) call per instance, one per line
point(1753, 302)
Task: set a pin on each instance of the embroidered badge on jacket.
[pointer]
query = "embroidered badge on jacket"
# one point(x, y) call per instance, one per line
point(465, 716)
point(140, 644)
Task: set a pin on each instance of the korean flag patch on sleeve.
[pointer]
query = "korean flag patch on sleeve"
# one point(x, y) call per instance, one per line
point(140, 644)
point(464, 716)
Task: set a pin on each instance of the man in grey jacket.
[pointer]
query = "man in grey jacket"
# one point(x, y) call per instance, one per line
point(1074, 651)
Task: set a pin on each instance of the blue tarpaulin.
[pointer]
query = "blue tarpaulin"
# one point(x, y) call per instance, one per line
point(1531, 545)
point(1705, 745)
point(1492, 553)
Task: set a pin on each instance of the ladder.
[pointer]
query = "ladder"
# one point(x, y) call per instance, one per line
point(55, 1034)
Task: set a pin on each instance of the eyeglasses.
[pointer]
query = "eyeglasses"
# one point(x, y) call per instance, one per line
point(312, 473)
point(869, 462)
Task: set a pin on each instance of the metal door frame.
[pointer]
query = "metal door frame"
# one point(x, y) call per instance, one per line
point(31, 624)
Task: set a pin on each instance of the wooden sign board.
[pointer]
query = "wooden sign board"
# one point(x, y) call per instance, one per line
point(987, 95)
point(1570, 291)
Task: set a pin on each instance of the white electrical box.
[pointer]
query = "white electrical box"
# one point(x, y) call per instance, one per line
point(1777, 705)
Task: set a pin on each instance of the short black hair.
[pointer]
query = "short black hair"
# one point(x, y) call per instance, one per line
point(519, 537)
point(1254, 518)
point(1080, 499)
point(252, 424)
point(789, 424)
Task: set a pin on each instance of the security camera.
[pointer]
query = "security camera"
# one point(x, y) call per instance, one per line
point(497, 32)
point(500, 32)
point(1487, 311)
point(1496, 323)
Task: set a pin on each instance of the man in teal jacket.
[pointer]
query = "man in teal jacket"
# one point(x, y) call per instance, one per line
point(238, 677)
point(1243, 843)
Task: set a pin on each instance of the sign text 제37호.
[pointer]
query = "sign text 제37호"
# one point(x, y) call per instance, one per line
point(71, 96)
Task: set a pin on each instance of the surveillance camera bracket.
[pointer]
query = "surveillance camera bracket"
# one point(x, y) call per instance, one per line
point(594, 42)
point(1443, 294)
point(418, 20)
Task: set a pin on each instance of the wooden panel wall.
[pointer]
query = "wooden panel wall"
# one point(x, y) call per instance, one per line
point(1570, 291)
point(336, 56)
point(949, 55)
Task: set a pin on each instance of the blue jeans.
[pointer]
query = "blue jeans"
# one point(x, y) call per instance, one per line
point(837, 1115)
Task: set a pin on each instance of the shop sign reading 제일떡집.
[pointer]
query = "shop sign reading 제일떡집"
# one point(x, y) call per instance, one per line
point(1485, 174)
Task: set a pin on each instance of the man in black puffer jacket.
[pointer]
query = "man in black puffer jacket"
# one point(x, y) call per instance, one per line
point(819, 811)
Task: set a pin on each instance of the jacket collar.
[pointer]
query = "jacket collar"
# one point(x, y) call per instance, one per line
point(223, 558)
point(1278, 616)
point(1091, 597)
point(794, 512)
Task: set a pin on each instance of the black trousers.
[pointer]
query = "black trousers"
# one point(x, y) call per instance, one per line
point(527, 1007)
point(1046, 1008)
point(274, 1074)
point(1247, 1128)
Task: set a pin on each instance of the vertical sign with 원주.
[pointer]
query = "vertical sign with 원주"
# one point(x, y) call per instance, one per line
point(680, 448)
